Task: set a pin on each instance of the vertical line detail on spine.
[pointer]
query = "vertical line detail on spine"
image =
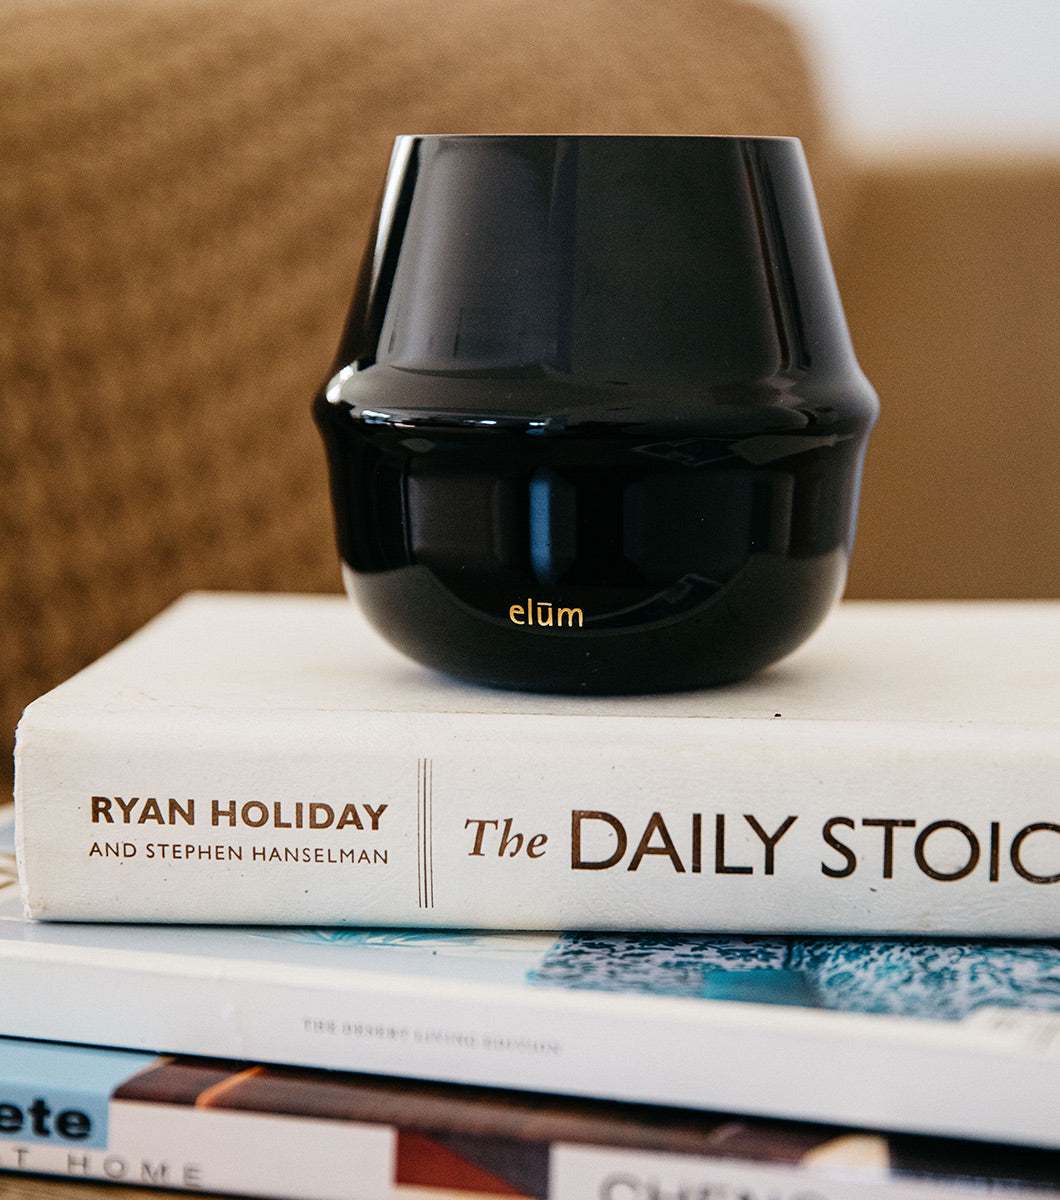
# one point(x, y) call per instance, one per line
point(424, 831)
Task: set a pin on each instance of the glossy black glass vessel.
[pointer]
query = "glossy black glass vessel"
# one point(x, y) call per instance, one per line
point(595, 424)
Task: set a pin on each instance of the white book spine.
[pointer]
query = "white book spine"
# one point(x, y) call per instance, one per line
point(165, 1146)
point(615, 1174)
point(203, 1150)
point(721, 825)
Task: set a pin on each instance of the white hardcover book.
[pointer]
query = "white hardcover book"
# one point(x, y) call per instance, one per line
point(269, 759)
point(937, 1036)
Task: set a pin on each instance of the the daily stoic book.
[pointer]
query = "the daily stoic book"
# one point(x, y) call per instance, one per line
point(209, 1125)
point(269, 759)
point(934, 1036)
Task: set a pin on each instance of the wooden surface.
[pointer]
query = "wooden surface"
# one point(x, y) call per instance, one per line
point(40, 1187)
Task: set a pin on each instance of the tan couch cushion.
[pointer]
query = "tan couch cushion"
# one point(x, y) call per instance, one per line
point(951, 282)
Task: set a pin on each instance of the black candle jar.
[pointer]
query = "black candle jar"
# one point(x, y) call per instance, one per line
point(595, 424)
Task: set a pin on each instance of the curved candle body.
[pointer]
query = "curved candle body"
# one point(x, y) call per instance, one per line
point(595, 424)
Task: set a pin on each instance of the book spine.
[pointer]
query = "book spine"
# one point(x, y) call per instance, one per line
point(164, 1146)
point(219, 1160)
point(62, 1113)
point(237, 1128)
point(580, 1172)
point(721, 824)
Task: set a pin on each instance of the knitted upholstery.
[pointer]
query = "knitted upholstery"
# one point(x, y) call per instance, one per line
point(952, 291)
point(185, 192)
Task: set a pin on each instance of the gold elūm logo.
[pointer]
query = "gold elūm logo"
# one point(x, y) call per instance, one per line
point(545, 614)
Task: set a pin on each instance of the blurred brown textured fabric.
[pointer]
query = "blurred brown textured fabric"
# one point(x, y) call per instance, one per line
point(951, 282)
point(185, 192)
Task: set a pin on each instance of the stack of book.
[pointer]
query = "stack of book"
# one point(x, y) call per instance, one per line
point(295, 918)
